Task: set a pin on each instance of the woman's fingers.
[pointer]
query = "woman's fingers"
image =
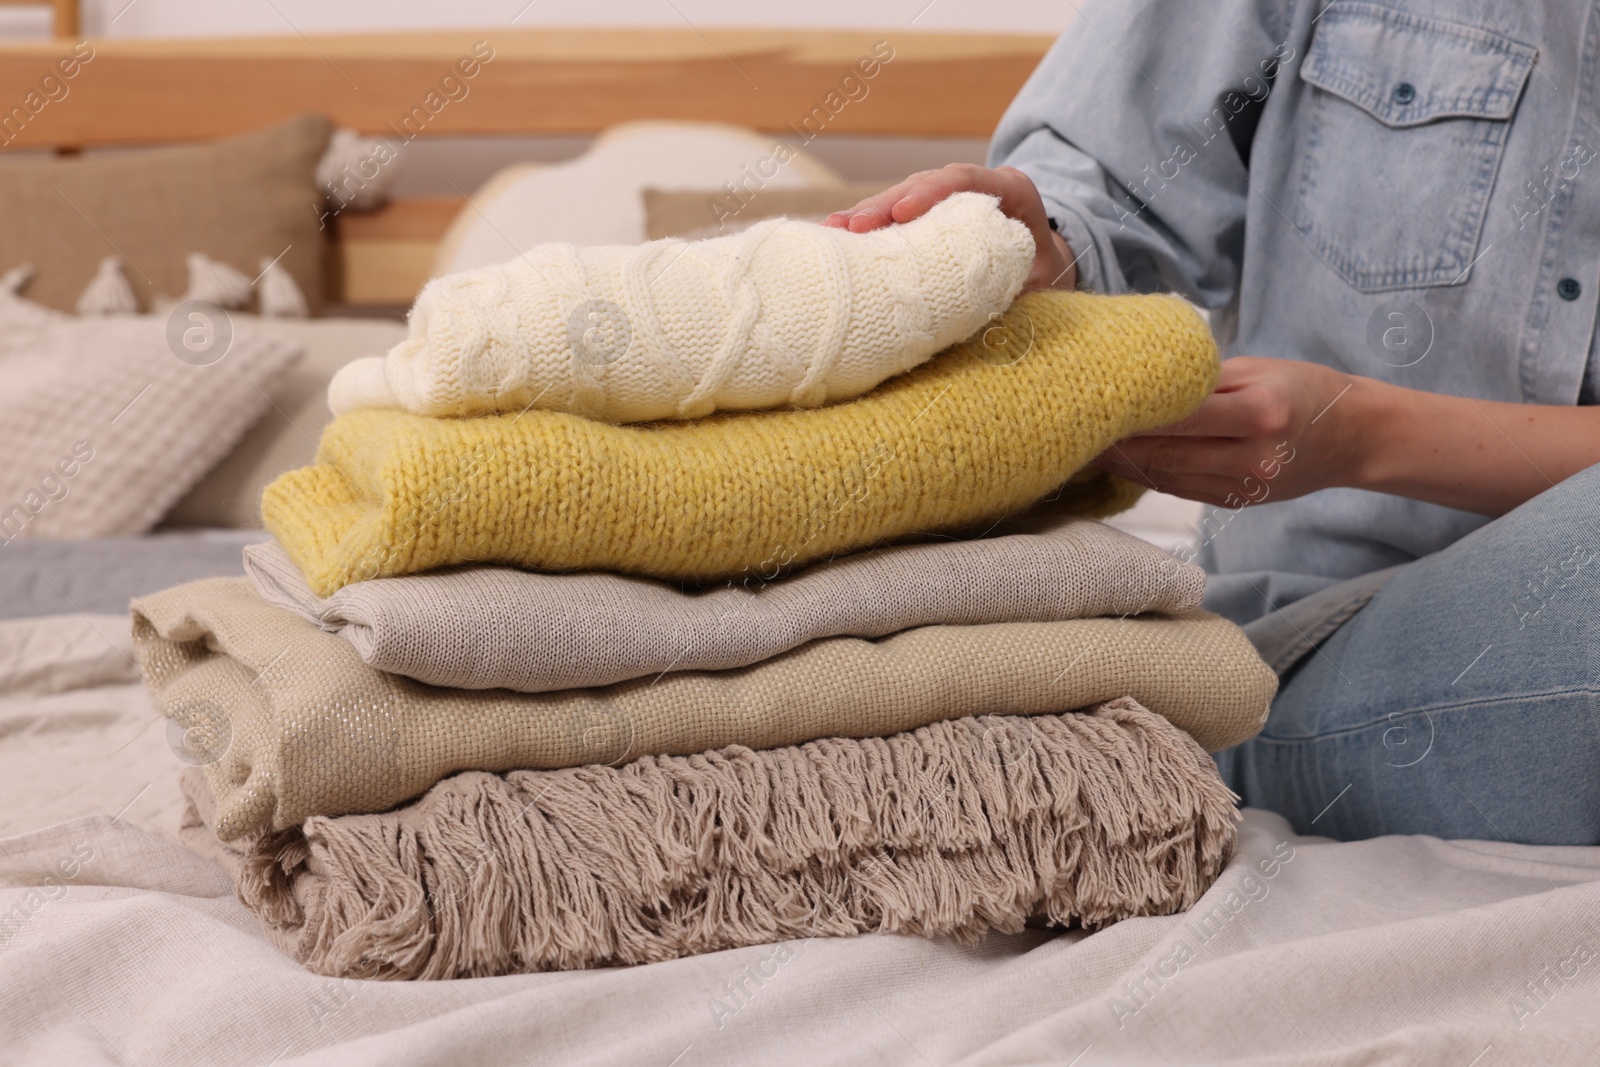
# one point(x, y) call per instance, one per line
point(1169, 457)
point(913, 197)
point(1206, 488)
point(909, 203)
point(1229, 415)
point(937, 186)
point(1246, 403)
point(1019, 199)
point(1256, 436)
point(873, 212)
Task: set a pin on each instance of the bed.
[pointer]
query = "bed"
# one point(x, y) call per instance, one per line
point(119, 946)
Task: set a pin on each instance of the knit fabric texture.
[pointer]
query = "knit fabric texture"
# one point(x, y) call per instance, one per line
point(106, 422)
point(496, 627)
point(954, 829)
point(985, 429)
point(290, 723)
point(786, 313)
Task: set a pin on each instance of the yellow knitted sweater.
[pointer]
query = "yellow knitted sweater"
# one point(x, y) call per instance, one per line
point(989, 426)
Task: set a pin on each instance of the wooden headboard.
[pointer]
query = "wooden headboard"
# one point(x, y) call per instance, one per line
point(557, 81)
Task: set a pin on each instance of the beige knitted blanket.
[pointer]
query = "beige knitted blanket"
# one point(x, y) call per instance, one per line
point(289, 722)
point(954, 829)
point(496, 627)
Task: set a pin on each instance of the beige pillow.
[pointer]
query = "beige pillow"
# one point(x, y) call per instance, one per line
point(286, 436)
point(103, 424)
point(594, 199)
point(237, 200)
point(711, 213)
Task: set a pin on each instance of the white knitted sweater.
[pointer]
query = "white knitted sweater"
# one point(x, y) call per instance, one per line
point(785, 313)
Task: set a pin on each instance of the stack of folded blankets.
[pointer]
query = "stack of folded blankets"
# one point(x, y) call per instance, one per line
point(661, 600)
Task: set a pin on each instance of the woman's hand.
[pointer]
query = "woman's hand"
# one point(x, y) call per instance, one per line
point(1279, 428)
point(1053, 264)
point(1273, 428)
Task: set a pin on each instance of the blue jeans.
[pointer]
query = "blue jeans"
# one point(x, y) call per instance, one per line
point(1462, 701)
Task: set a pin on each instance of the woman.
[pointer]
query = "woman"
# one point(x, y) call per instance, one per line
point(1392, 212)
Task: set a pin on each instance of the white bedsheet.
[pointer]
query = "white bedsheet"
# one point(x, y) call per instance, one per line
point(119, 947)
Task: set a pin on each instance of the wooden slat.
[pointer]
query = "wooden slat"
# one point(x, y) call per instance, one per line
point(384, 256)
point(406, 219)
point(538, 82)
point(66, 19)
point(380, 272)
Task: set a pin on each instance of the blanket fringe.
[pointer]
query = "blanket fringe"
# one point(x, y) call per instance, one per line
point(952, 830)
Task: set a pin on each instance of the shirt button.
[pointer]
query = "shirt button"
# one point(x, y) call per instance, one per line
point(1568, 288)
point(1404, 93)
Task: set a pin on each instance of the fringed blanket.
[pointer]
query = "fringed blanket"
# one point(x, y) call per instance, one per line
point(290, 723)
point(951, 830)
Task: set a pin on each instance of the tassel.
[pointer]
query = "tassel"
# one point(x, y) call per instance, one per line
point(280, 297)
point(212, 280)
point(14, 280)
point(356, 171)
point(108, 292)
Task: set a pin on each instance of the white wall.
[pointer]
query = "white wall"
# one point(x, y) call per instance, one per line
point(208, 18)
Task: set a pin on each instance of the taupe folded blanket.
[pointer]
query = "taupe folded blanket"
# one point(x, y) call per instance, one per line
point(953, 829)
point(496, 627)
point(291, 723)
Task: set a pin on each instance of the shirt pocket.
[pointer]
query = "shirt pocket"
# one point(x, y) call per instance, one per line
point(1406, 122)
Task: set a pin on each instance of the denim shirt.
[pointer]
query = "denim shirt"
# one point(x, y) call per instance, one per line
point(1408, 191)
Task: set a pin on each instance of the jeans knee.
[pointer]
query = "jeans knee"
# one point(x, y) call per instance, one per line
point(1573, 499)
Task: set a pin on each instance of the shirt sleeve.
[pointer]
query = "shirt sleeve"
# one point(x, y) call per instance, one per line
point(1136, 128)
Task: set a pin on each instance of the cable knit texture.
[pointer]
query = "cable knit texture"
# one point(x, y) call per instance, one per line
point(785, 313)
point(989, 427)
point(952, 830)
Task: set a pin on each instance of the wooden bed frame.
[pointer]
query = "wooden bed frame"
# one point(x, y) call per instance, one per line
point(540, 82)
